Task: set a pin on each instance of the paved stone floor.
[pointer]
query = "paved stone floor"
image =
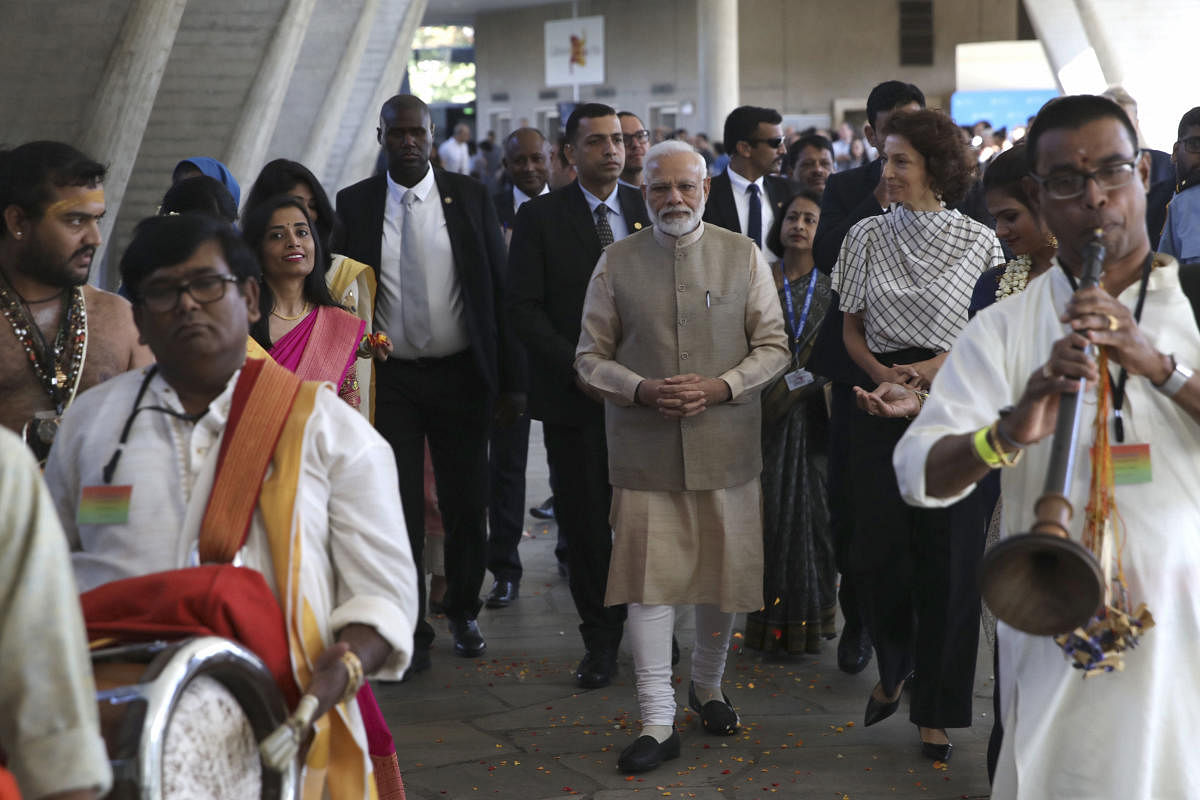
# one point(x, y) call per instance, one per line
point(513, 724)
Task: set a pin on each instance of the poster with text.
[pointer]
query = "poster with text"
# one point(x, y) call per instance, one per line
point(575, 51)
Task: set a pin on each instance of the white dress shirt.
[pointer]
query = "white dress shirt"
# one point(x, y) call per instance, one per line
point(616, 220)
point(519, 197)
point(741, 202)
point(448, 327)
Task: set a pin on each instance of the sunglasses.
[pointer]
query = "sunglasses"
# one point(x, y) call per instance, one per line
point(773, 143)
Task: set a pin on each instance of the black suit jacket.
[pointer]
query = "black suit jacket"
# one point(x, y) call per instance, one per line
point(503, 201)
point(478, 248)
point(553, 251)
point(721, 211)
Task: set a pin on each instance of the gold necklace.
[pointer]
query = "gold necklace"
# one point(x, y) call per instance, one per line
point(303, 311)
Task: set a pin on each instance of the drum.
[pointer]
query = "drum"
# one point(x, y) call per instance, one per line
point(183, 720)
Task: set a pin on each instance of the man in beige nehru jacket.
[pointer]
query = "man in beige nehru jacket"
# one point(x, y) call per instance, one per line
point(681, 329)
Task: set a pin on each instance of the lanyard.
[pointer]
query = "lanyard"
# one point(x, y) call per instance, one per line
point(111, 466)
point(1119, 389)
point(797, 330)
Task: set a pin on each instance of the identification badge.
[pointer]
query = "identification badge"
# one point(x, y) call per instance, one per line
point(104, 505)
point(798, 378)
point(1131, 464)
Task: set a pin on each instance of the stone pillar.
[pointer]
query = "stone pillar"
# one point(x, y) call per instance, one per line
point(115, 122)
point(717, 49)
point(360, 161)
point(260, 112)
point(325, 131)
point(1060, 29)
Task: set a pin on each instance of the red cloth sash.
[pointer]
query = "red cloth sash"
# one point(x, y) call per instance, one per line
point(210, 600)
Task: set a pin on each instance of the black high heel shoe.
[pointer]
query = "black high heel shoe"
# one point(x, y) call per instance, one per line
point(878, 710)
point(934, 751)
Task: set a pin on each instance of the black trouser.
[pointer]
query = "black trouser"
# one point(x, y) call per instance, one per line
point(916, 571)
point(508, 452)
point(444, 401)
point(841, 499)
point(578, 458)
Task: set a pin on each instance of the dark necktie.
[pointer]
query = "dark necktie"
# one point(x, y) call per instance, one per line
point(754, 218)
point(603, 229)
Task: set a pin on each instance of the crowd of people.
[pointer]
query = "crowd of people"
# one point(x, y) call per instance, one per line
point(782, 376)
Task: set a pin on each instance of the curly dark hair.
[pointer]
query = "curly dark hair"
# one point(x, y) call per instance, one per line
point(948, 163)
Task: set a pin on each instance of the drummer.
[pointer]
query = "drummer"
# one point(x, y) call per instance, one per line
point(147, 479)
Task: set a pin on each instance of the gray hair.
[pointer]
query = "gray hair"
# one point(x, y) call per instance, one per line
point(673, 147)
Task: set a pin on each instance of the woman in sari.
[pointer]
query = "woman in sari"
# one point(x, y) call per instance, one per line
point(351, 283)
point(799, 581)
point(302, 328)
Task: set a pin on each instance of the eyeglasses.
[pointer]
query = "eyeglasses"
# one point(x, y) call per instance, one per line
point(773, 142)
point(160, 298)
point(1068, 184)
point(1191, 144)
point(641, 137)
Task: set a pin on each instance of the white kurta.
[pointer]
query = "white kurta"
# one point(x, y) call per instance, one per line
point(1123, 735)
point(356, 564)
point(48, 719)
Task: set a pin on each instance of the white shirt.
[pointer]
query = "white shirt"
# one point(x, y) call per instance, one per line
point(455, 156)
point(741, 201)
point(356, 566)
point(448, 327)
point(616, 220)
point(519, 197)
point(48, 717)
point(1130, 734)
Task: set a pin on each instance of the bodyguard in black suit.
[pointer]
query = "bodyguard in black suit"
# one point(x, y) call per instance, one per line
point(454, 255)
point(526, 167)
point(555, 244)
point(754, 141)
point(849, 197)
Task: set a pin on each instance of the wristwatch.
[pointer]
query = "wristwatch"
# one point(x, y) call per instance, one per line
point(1175, 381)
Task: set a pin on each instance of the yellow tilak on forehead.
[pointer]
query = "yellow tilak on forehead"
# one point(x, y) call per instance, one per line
point(69, 204)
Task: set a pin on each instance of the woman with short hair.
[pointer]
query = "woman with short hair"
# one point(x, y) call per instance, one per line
point(905, 279)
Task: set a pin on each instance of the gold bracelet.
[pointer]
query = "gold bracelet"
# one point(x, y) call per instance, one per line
point(1007, 458)
point(354, 676)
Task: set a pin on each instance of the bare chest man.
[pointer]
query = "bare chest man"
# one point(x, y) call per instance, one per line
point(97, 342)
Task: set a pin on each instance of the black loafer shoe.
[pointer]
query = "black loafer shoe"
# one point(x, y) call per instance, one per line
point(646, 753)
point(854, 650)
point(937, 752)
point(502, 594)
point(597, 669)
point(419, 663)
point(468, 641)
point(545, 510)
point(717, 716)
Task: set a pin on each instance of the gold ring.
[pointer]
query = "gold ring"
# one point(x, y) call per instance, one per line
point(1113, 322)
point(1046, 370)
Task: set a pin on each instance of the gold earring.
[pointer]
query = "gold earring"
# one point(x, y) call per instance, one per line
point(1052, 240)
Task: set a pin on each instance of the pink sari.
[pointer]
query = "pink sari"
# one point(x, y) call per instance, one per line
point(324, 347)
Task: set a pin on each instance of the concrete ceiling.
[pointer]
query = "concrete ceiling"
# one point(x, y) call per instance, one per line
point(462, 12)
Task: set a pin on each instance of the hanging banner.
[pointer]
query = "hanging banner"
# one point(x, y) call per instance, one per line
point(575, 51)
